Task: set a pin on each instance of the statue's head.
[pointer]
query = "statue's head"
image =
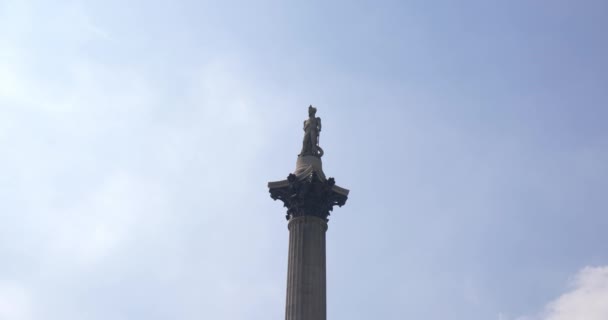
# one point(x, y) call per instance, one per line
point(311, 111)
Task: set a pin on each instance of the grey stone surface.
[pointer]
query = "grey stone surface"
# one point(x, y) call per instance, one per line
point(306, 282)
point(305, 165)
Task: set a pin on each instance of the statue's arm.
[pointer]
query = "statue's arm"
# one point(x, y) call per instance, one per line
point(319, 123)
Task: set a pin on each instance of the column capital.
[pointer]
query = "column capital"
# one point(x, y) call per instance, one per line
point(308, 195)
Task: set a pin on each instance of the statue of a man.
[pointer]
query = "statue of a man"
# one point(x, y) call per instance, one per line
point(312, 128)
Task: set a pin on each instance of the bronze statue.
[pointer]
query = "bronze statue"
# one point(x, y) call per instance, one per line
point(312, 128)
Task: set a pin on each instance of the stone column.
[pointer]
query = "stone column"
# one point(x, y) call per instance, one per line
point(309, 197)
point(306, 288)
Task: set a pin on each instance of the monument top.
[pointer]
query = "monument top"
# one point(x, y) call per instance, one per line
point(306, 191)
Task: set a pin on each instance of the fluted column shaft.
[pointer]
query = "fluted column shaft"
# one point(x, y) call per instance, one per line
point(306, 286)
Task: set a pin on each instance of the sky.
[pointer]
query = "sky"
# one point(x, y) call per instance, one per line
point(137, 139)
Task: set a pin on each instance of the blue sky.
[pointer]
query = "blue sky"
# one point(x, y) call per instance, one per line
point(137, 139)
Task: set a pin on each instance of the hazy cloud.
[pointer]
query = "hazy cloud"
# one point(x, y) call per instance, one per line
point(15, 302)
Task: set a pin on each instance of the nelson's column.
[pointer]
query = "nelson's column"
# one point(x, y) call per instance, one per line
point(308, 197)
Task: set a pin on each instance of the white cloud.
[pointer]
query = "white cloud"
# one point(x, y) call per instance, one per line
point(587, 300)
